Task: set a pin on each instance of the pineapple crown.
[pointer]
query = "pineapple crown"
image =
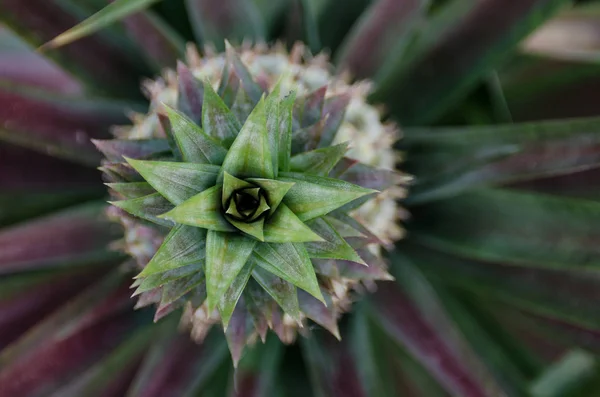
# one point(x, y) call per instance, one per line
point(254, 199)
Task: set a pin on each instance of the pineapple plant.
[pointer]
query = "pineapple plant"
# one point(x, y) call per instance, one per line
point(375, 198)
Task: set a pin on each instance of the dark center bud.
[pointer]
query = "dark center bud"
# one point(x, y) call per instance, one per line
point(247, 204)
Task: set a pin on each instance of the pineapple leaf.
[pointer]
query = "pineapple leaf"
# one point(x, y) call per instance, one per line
point(148, 207)
point(190, 93)
point(458, 58)
point(319, 161)
point(202, 210)
point(314, 196)
point(334, 112)
point(183, 246)
point(215, 21)
point(273, 124)
point(290, 262)
point(285, 227)
point(249, 155)
point(117, 149)
point(226, 255)
point(177, 182)
point(112, 13)
point(319, 312)
point(284, 145)
point(309, 108)
point(172, 291)
point(195, 145)
point(217, 119)
point(228, 86)
point(280, 290)
point(249, 86)
point(132, 189)
point(230, 299)
point(167, 277)
point(512, 227)
point(255, 229)
point(332, 245)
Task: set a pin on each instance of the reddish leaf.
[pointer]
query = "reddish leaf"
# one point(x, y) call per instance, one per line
point(20, 64)
point(72, 236)
point(55, 125)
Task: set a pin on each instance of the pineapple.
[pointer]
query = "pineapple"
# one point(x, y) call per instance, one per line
point(382, 210)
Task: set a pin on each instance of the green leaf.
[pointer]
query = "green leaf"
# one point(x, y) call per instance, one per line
point(290, 262)
point(285, 227)
point(255, 228)
point(167, 277)
point(177, 182)
point(280, 290)
point(446, 63)
point(202, 210)
point(177, 289)
point(113, 12)
point(273, 124)
point(567, 296)
point(184, 245)
point(226, 255)
point(513, 228)
point(195, 145)
point(217, 119)
point(230, 185)
point(332, 246)
point(314, 196)
point(249, 155)
point(148, 207)
point(276, 190)
point(319, 161)
point(230, 298)
point(132, 189)
point(569, 376)
point(284, 147)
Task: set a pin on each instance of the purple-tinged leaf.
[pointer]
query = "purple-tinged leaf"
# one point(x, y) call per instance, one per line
point(191, 93)
point(406, 324)
point(217, 119)
point(236, 332)
point(71, 237)
point(116, 150)
point(375, 35)
point(20, 64)
point(334, 111)
point(228, 86)
point(130, 190)
point(248, 85)
point(28, 297)
point(169, 368)
point(316, 310)
point(309, 108)
point(65, 343)
point(370, 177)
point(283, 292)
point(55, 125)
point(120, 172)
point(319, 161)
